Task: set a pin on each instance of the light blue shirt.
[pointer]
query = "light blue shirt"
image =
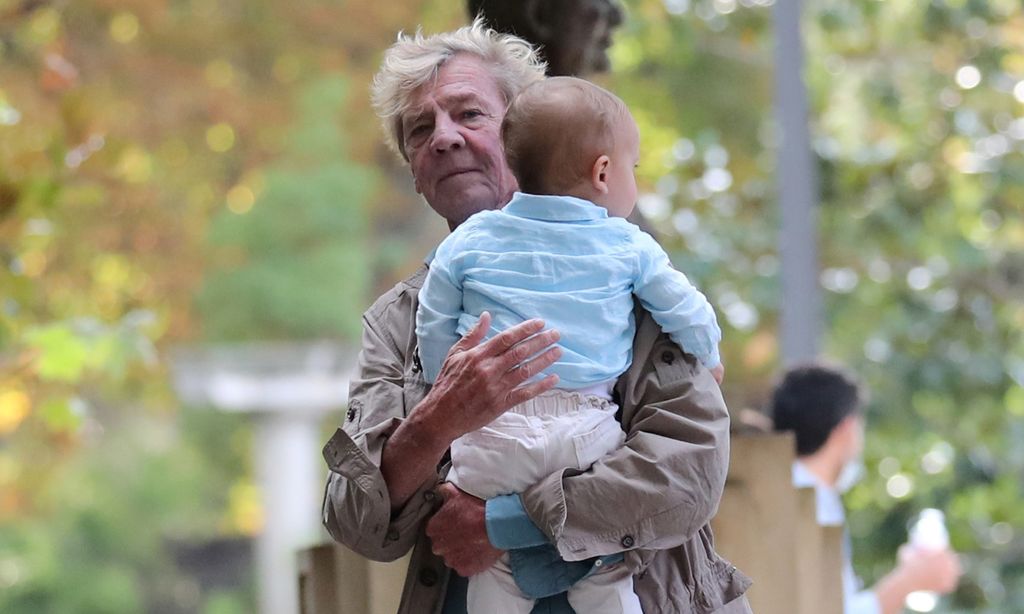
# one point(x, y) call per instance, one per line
point(564, 260)
point(830, 513)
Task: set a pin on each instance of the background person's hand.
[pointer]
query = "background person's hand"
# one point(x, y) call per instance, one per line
point(479, 381)
point(458, 532)
point(929, 570)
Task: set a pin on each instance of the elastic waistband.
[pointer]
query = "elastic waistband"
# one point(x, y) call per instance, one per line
point(561, 403)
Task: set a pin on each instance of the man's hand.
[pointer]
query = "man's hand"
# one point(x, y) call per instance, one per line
point(479, 382)
point(458, 532)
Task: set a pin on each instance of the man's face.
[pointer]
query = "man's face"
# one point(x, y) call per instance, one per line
point(452, 137)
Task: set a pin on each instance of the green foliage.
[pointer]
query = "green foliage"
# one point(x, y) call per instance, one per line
point(98, 541)
point(920, 235)
point(296, 265)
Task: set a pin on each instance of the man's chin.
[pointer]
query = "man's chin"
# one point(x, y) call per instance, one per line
point(457, 206)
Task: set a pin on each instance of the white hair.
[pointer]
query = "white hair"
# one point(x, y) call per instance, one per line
point(414, 60)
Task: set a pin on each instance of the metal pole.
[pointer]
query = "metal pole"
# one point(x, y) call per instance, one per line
point(800, 319)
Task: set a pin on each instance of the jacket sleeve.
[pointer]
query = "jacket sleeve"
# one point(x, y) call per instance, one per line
point(356, 506)
point(677, 306)
point(671, 469)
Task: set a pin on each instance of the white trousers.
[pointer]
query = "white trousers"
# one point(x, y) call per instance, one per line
point(557, 430)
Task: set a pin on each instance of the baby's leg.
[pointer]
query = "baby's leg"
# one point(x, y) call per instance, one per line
point(609, 591)
point(495, 592)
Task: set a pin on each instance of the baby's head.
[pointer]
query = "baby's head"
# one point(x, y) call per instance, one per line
point(567, 136)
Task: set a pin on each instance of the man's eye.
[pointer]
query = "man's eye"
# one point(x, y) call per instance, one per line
point(472, 113)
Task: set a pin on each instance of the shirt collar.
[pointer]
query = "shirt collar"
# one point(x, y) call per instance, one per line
point(554, 208)
point(829, 504)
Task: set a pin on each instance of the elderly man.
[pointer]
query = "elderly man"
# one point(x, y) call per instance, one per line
point(442, 99)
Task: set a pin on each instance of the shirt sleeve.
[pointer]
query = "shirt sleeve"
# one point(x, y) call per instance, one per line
point(677, 306)
point(508, 525)
point(437, 318)
point(863, 602)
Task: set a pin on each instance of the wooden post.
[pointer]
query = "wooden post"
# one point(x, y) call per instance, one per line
point(769, 529)
point(754, 527)
point(317, 589)
point(335, 580)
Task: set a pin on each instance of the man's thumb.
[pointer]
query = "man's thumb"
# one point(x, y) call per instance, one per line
point(447, 490)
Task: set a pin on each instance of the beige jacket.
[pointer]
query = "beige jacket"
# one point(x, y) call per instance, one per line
point(652, 498)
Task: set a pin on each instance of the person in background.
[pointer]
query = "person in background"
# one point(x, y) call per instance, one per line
point(823, 406)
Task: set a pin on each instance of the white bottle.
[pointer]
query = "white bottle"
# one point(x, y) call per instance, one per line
point(928, 533)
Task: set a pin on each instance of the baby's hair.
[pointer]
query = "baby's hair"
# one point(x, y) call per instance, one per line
point(556, 128)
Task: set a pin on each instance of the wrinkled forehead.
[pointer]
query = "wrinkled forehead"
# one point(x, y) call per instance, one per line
point(459, 80)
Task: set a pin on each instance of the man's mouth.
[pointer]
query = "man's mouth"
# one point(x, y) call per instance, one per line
point(456, 173)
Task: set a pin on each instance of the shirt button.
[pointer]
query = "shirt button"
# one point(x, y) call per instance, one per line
point(668, 357)
point(628, 541)
point(598, 563)
point(427, 577)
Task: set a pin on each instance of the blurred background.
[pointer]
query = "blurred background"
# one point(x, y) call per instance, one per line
point(181, 179)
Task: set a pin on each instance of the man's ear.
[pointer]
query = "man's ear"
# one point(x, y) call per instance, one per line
point(599, 174)
point(847, 431)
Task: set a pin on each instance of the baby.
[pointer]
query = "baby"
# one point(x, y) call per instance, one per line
point(561, 251)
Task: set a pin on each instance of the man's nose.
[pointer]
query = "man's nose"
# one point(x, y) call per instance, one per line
point(446, 136)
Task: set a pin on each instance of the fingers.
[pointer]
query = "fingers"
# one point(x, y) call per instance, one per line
point(719, 374)
point(525, 393)
point(505, 340)
point(523, 371)
point(522, 351)
point(475, 334)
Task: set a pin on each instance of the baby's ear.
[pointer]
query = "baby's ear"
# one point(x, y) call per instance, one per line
point(599, 174)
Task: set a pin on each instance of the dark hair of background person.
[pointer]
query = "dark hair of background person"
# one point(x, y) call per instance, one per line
point(811, 400)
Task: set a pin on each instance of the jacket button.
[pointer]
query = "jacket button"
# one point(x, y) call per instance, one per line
point(429, 496)
point(392, 535)
point(428, 577)
point(668, 357)
point(628, 541)
point(351, 414)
